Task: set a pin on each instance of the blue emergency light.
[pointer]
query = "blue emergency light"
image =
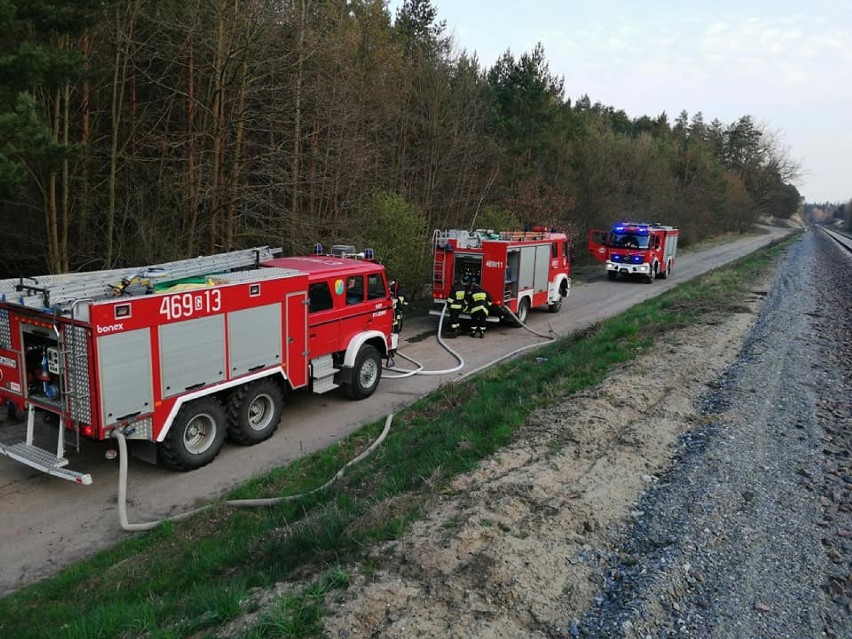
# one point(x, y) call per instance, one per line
point(319, 249)
point(368, 254)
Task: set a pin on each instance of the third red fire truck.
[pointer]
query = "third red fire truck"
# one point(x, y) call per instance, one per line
point(519, 269)
point(178, 355)
point(636, 249)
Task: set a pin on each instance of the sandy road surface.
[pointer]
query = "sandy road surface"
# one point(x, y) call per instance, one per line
point(46, 523)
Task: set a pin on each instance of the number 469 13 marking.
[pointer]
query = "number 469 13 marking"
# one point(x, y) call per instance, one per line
point(182, 305)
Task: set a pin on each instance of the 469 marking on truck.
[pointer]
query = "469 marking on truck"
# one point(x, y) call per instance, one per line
point(182, 305)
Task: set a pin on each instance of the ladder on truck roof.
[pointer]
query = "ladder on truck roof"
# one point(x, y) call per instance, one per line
point(49, 290)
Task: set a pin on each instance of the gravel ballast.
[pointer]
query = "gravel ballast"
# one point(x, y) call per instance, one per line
point(748, 533)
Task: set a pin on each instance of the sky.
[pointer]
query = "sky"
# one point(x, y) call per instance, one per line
point(786, 64)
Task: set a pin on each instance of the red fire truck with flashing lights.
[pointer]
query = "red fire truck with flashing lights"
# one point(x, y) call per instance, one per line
point(519, 269)
point(178, 355)
point(636, 249)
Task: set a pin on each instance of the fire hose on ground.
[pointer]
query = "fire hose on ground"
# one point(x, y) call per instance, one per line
point(273, 501)
point(233, 503)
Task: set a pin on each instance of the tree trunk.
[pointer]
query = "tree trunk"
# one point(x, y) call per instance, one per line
point(219, 64)
point(297, 127)
point(236, 167)
point(66, 178)
point(82, 222)
point(191, 177)
point(119, 77)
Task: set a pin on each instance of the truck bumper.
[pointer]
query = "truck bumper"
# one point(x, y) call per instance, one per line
point(628, 269)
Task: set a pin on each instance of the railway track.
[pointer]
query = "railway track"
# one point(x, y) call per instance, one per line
point(841, 238)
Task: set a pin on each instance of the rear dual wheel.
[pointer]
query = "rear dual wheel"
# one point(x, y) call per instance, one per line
point(196, 435)
point(254, 412)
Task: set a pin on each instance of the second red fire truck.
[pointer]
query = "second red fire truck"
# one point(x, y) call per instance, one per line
point(179, 355)
point(519, 269)
point(636, 249)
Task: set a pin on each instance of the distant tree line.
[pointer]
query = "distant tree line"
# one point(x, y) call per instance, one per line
point(829, 214)
point(138, 131)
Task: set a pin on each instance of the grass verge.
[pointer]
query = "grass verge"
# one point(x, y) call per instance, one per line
point(191, 578)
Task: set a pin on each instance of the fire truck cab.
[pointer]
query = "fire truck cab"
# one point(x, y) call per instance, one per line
point(519, 269)
point(177, 356)
point(636, 249)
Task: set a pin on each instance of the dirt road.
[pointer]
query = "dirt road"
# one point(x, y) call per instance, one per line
point(47, 523)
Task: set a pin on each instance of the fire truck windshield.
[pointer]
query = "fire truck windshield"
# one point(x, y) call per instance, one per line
point(628, 240)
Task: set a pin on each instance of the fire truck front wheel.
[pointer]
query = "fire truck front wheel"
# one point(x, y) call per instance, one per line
point(196, 435)
point(555, 307)
point(254, 411)
point(366, 373)
point(652, 274)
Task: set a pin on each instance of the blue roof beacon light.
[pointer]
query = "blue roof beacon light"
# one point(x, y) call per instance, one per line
point(368, 254)
point(618, 229)
point(319, 249)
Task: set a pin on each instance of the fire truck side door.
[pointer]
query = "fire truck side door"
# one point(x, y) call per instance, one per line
point(358, 314)
point(597, 244)
point(296, 336)
point(323, 324)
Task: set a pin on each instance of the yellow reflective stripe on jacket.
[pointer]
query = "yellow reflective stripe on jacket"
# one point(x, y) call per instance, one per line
point(456, 299)
point(479, 301)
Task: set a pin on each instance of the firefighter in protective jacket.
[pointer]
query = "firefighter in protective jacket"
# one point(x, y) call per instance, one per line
point(456, 306)
point(400, 300)
point(478, 304)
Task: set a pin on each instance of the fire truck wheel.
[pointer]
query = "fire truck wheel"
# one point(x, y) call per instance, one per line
point(523, 311)
point(665, 272)
point(254, 412)
point(366, 373)
point(554, 307)
point(196, 435)
point(650, 277)
point(612, 275)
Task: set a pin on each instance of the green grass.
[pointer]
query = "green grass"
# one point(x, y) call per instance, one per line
point(189, 579)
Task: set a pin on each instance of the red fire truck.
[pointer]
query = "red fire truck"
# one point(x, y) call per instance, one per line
point(178, 355)
point(636, 249)
point(519, 269)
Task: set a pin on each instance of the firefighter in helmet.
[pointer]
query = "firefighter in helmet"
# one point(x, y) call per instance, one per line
point(478, 304)
point(456, 304)
point(399, 301)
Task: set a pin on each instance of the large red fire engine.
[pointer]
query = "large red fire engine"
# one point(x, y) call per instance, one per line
point(180, 354)
point(519, 269)
point(634, 248)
